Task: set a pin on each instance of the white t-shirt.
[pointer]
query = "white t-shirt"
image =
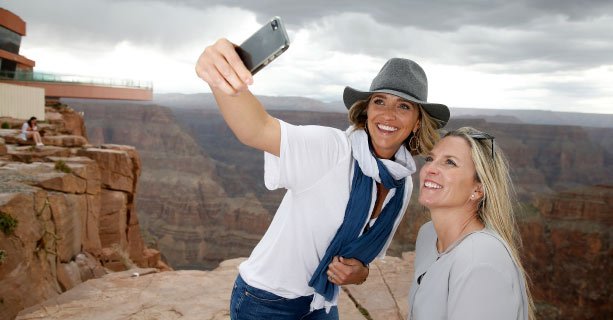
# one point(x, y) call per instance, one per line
point(316, 167)
point(24, 131)
point(475, 278)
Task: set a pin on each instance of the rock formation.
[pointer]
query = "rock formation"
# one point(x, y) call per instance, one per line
point(204, 295)
point(186, 208)
point(567, 249)
point(66, 212)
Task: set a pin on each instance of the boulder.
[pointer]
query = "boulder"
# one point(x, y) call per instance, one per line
point(10, 136)
point(3, 149)
point(68, 275)
point(68, 141)
point(30, 154)
point(116, 168)
point(84, 168)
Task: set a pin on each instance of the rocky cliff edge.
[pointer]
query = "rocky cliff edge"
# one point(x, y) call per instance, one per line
point(67, 211)
point(204, 295)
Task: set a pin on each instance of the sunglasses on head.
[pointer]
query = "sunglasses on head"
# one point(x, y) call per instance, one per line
point(483, 136)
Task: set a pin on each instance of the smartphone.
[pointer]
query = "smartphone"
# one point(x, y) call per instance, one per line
point(264, 46)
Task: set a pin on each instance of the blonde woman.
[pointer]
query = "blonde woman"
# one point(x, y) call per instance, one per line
point(467, 264)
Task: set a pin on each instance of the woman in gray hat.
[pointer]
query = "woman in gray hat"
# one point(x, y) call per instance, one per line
point(346, 190)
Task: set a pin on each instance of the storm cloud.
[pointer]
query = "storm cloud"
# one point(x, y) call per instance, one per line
point(556, 48)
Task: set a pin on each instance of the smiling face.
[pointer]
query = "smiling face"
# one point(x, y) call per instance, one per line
point(390, 122)
point(447, 179)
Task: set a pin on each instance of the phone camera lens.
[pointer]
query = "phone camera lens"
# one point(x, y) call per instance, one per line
point(274, 25)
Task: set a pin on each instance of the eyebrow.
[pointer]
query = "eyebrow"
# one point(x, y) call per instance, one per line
point(381, 95)
point(446, 156)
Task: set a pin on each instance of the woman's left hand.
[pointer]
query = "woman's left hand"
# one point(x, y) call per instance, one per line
point(342, 271)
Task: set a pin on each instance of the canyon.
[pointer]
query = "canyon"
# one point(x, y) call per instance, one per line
point(201, 198)
point(66, 211)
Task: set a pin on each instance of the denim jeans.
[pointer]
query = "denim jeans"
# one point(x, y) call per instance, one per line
point(249, 303)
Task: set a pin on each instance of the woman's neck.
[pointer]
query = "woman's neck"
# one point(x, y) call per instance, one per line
point(452, 224)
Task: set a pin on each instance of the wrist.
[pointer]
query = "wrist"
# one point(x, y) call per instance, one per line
point(366, 276)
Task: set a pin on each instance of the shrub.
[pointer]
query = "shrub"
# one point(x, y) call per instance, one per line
point(124, 256)
point(7, 223)
point(6, 125)
point(2, 256)
point(61, 165)
point(150, 240)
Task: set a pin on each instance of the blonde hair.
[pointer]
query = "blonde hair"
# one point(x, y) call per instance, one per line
point(495, 209)
point(427, 134)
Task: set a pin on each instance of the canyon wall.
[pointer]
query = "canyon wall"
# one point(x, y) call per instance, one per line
point(186, 209)
point(547, 162)
point(567, 251)
point(66, 211)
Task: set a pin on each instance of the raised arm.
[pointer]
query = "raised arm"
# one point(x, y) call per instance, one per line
point(222, 69)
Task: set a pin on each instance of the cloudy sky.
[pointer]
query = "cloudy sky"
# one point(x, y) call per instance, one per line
point(523, 54)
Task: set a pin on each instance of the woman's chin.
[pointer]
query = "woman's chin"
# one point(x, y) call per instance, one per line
point(427, 202)
point(423, 202)
point(385, 150)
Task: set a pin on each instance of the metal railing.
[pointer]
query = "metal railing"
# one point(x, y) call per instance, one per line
point(75, 79)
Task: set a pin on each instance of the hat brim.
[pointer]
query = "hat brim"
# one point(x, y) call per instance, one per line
point(436, 110)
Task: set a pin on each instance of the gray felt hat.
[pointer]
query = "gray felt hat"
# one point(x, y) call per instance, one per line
point(403, 78)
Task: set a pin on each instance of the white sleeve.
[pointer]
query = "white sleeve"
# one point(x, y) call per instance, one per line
point(482, 292)
point(307, 153)
point(24, 131)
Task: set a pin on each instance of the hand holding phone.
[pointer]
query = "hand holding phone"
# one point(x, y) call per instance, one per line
point(264, 46)
point(256, 52)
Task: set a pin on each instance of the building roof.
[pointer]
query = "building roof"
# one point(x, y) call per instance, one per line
point(12, 22)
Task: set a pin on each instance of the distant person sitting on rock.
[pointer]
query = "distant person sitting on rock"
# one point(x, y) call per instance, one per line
point(467, 264)
point(29, 130)
point(347, 190)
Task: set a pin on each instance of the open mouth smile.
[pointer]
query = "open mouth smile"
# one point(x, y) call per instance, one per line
point(432, 185)
point(386, 128)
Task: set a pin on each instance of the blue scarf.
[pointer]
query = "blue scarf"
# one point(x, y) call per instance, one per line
point(347, 243)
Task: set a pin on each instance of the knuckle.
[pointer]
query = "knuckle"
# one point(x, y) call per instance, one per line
point(234, 59)
point(223, 43)
point(241, 87)
point(216, 80)
point(225, 72)
point(208, 50)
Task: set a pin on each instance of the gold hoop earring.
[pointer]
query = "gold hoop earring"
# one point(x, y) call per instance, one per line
point(414, 142)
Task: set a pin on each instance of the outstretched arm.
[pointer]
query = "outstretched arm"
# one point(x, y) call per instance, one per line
point(222, 69)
